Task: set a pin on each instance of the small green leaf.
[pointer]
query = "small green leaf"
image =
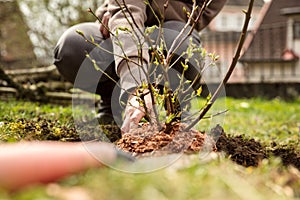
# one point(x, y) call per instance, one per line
point(144, 85)
point(185, 66)
point(146, 3)
point(208, 98)
point(170, 118)
point(125, 29)
point(80, 33)
point(188, 14)
point(173, 99)
point(216, 58)
point(199, 91)
point(150, 29)
point(188, 82)
point(204, 53)
point(92, 39)
point(156, 62)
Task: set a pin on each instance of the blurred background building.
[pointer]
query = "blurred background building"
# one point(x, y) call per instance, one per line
point(269, 65)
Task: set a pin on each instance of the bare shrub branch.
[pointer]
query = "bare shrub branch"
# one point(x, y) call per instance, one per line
point(235, 59)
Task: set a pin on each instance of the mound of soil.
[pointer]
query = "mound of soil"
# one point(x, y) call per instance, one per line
point(149, 139)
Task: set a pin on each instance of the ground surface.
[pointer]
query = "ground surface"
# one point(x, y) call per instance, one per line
point(256, 131)
point(147, 140)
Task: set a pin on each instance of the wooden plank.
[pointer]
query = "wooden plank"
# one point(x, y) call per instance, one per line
point(34, 70)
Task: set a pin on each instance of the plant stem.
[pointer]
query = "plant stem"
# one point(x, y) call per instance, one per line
point(174, 45)
point(235, 59)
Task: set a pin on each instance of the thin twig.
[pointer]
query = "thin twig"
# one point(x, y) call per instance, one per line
point(235, 59)
point(206, 117)
point(119, 43)
point(174, 48)
point(140, 44)
point(125, 58)
point(100, 21)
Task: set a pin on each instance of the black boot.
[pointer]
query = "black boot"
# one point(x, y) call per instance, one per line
point(105, 115)
point(108, 120)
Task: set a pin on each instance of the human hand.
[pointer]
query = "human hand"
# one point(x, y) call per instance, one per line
point(104, 25)
point(27, 163)
point(134, 111)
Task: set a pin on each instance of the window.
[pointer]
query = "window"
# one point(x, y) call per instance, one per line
point(296, 30)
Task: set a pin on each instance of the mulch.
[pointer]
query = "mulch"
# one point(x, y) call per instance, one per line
point(146, 139)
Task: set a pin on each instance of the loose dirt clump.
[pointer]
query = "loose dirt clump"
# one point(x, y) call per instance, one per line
point(288, 155)
point(246, 152)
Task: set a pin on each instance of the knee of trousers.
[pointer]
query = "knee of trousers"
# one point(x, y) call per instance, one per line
point(71, 48)
point(73, 64)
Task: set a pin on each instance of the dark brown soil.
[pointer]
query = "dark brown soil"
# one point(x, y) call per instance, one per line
point(248, 152)
point(147, 140)
point(289, 156)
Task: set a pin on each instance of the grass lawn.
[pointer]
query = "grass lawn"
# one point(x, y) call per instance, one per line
point(190, 177)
